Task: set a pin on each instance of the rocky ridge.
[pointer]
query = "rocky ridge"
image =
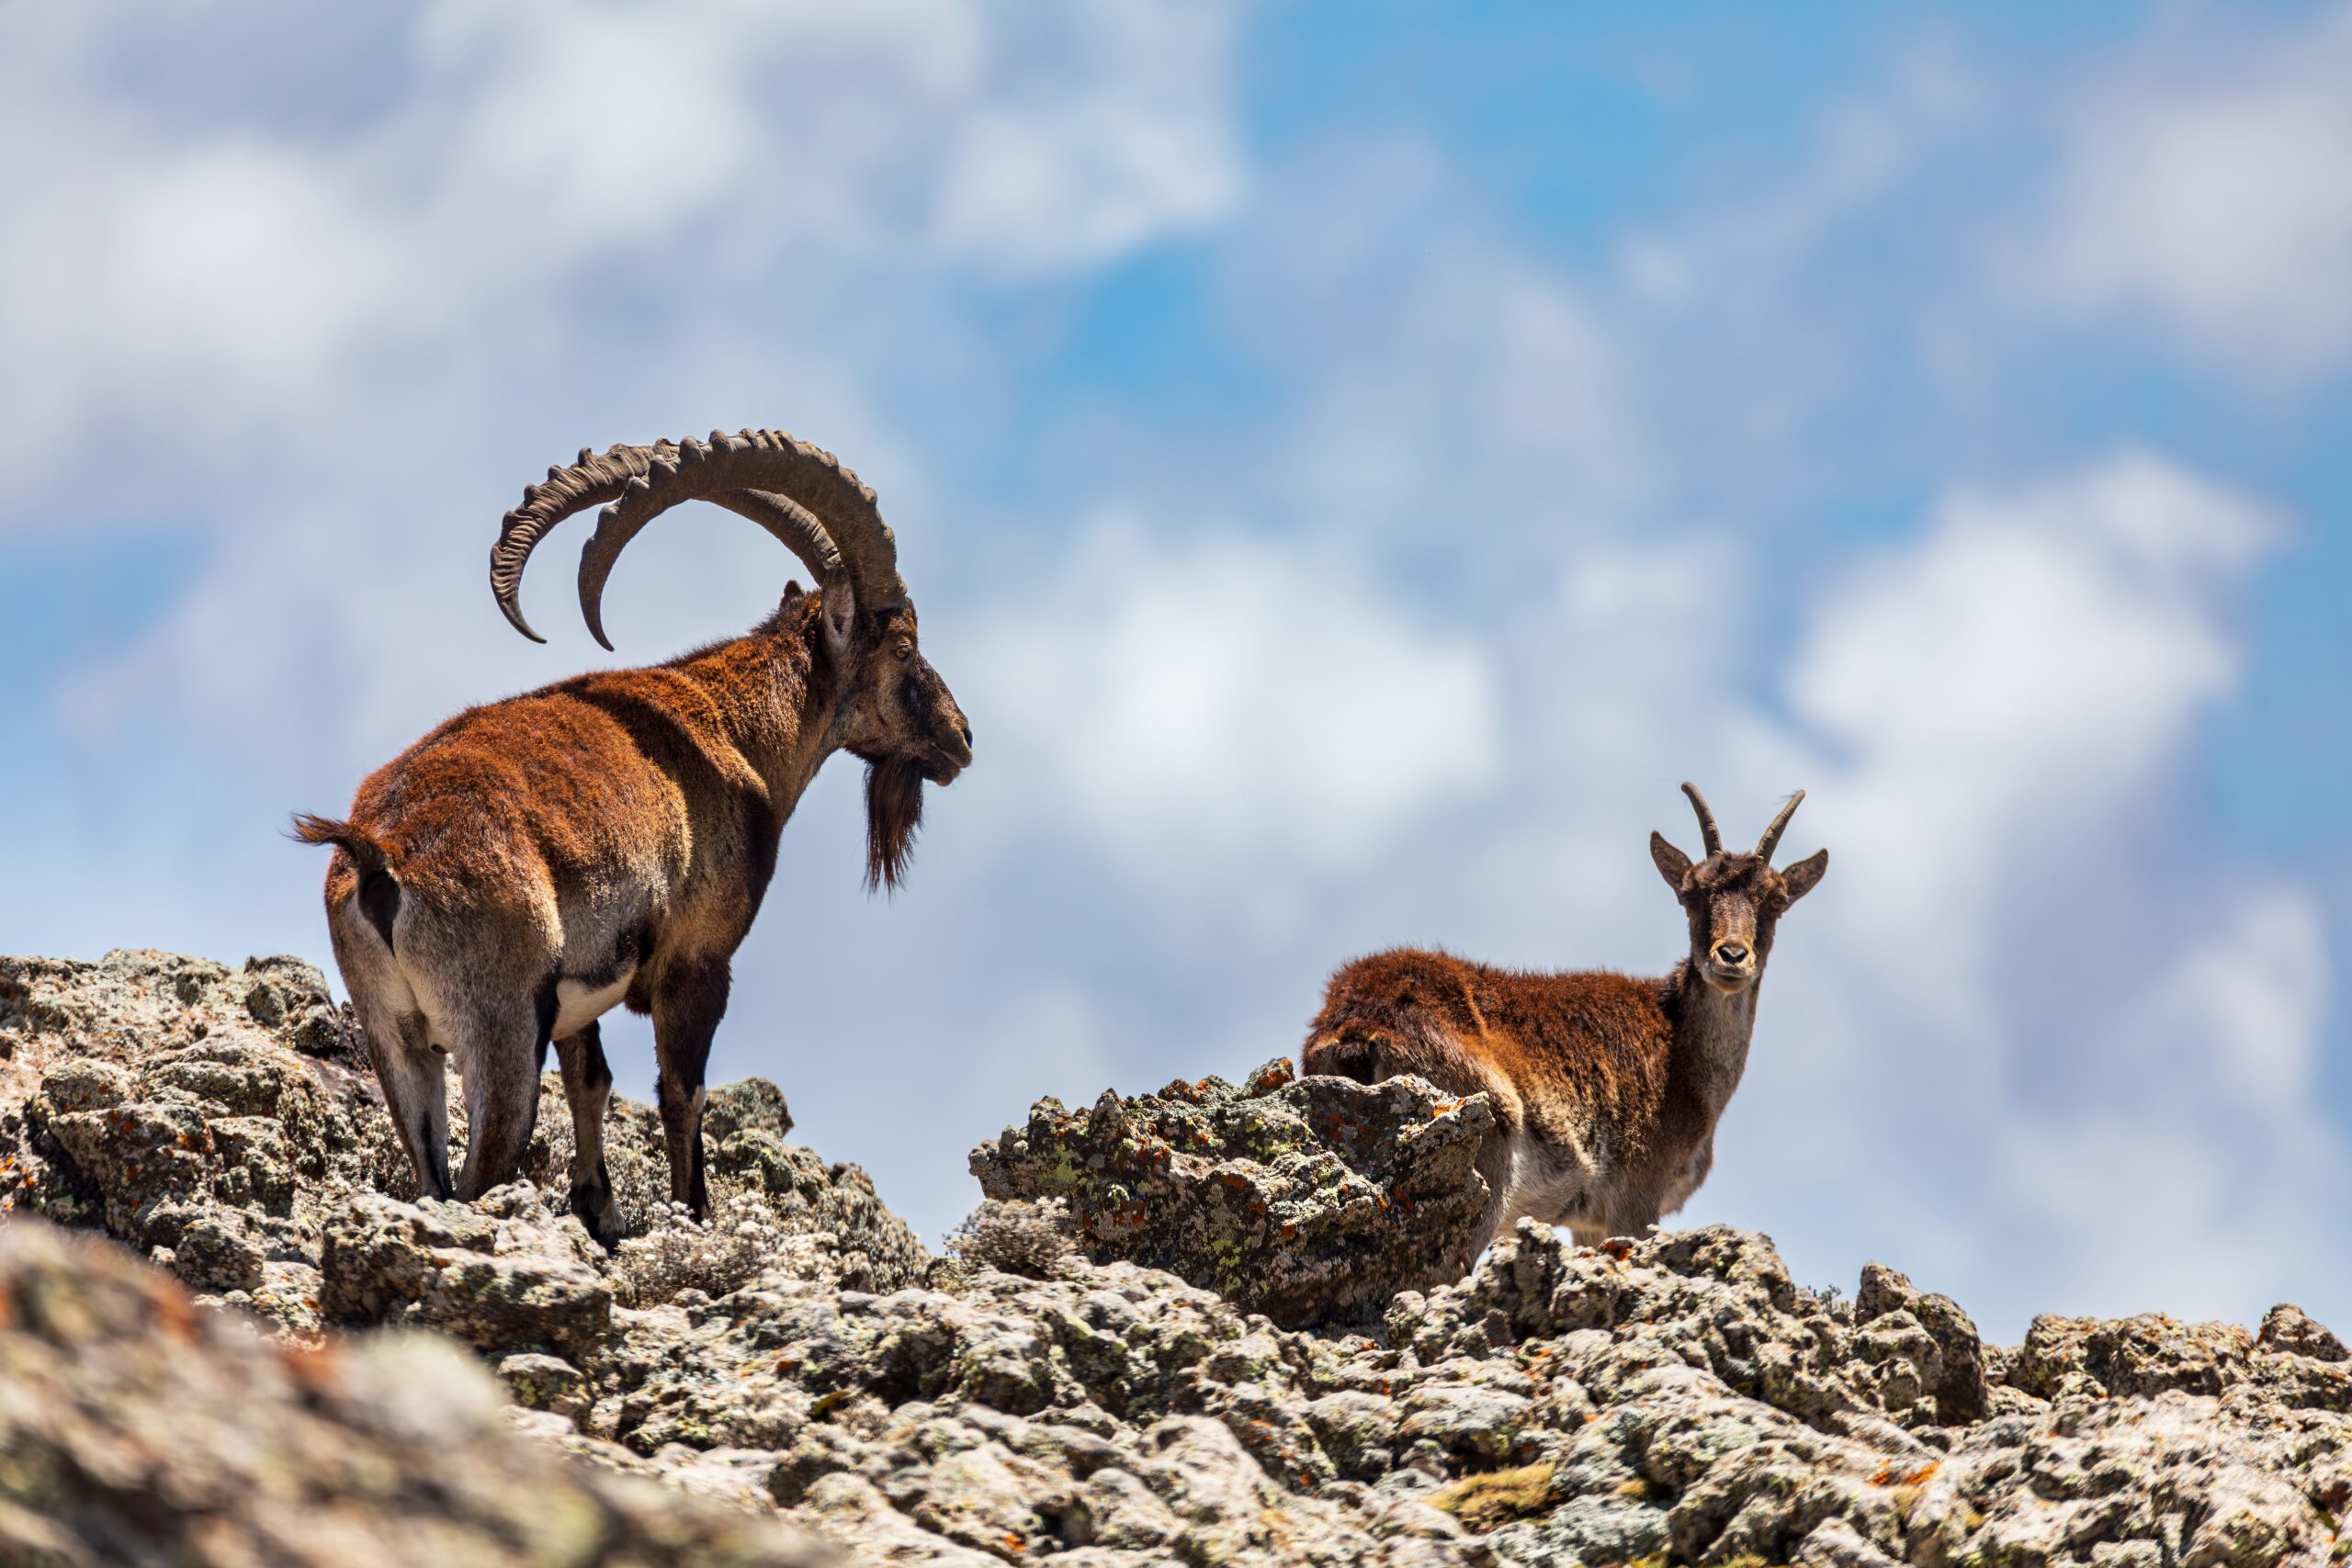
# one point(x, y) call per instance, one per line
point(1053, 1390)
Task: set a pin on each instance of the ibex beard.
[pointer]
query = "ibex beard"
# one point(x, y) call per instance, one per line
point(608, 839)
point(893, 814)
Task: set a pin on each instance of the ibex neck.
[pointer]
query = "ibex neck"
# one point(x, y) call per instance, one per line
point(774, 702)
point(1711, 1035)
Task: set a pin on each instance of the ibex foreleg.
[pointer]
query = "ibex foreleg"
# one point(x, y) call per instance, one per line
point(688, 1002)
point(587, 1086)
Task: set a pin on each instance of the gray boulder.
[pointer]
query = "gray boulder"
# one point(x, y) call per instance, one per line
point(1310, 1200)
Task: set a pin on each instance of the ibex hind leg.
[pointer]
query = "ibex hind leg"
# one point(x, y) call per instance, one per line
point(500, 1043)
point(400, 1043)
point(587, 1089)
point(688, 1002)
point(415, 1084)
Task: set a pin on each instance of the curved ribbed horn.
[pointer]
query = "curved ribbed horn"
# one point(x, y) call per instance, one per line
point(798, 492)
point(1772, 838)
point(1712, 839)
point(780, 514)
point(591, 482)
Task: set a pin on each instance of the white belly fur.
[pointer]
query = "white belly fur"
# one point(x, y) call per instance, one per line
point(577, 1007)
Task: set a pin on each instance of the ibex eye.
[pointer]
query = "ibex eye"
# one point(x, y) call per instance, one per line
point(905, 651)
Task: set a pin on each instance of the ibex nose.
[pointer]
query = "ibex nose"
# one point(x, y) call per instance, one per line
point(1731, 952)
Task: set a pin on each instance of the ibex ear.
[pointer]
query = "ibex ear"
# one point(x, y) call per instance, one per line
point(840, 616)
point(1672, 863)
point(1801, 878)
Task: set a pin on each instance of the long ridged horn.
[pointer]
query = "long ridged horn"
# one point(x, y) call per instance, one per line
point(590, 481)
point(1713, 840)
point(1772, 838)
point(798, 492)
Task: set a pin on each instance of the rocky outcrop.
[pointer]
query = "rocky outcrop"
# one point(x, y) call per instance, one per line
point(1050, 1392)
point(1311, 1200)
point(225, 1122)
point(137, 1428)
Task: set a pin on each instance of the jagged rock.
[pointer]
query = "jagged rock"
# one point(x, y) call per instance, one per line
point(137, 1428)
point(875, 1250)
point(545, 1382)
point(1926, 1358)
point(1678, 1399)
point(2285, 1329)
point(150, 1093)
point(500, 1274)
point(1309, 1199)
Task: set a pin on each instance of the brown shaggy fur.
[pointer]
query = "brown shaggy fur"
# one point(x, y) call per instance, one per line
point(608, 837)
point(1608, 1087)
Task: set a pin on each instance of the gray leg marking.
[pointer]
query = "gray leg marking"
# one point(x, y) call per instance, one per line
point(498, 1053)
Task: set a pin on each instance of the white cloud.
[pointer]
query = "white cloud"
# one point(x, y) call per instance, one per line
point(2033, 665)
point(2202, 189)
point(1201, 701)
point(199, 278)
point(2029, 999)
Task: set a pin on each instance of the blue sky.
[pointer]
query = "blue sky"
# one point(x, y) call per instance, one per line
point(1354, 462)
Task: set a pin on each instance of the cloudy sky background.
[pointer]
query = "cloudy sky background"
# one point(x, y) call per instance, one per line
point(1353, 462)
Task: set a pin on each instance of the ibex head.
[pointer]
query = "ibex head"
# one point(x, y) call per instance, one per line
point(1734, 901)
point(891, 709)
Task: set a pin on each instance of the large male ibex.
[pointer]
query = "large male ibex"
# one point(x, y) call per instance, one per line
point(606, 840)
point(1608, 1087)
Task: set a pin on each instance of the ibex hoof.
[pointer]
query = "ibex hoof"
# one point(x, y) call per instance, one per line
point(593, 1203)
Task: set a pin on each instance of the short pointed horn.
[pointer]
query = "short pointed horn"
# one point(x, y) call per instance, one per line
point(1772, 838)
point(1708, 834)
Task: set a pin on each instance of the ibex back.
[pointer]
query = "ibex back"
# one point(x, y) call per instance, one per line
point(607, 840)
point(1608, 1088)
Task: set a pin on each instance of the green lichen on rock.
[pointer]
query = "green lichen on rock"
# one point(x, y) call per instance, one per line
point(1309, 1199)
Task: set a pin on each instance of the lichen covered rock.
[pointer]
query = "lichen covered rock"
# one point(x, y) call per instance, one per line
point(1309, 1199)
point(1047, 1393)
point(221, 1120)
point(502, 1274)
point(138, 1428)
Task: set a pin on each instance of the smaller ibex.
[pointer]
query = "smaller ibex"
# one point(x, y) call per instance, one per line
point(1607, 1087)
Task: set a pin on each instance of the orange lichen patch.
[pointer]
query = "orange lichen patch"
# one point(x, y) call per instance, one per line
point(1618, 1247)
point(1272, 1077)
point(1014, 1544)
point(1888, 1475)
